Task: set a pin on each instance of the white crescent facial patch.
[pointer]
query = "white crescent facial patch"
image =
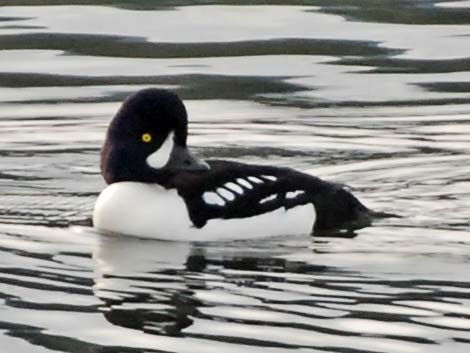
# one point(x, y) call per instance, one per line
point(160, 157)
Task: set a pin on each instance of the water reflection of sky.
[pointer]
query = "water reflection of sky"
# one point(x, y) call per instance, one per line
point(217, 24)
point(319, 79)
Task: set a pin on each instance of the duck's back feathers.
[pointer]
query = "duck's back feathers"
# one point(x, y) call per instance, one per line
point(237, 190)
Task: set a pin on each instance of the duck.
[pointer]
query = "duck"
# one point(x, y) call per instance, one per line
point(158, 189)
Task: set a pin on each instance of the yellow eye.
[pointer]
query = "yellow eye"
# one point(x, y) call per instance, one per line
point(146, 137)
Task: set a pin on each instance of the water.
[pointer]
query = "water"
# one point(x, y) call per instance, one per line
point(372, 94)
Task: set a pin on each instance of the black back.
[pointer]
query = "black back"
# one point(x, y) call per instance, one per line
point(336, 207)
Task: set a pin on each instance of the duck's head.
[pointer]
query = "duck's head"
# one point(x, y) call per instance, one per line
point(146, 140)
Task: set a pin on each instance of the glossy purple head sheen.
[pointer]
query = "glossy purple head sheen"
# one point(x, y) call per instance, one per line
point(161, 115)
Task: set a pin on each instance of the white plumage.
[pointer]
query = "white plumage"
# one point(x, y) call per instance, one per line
point(151, 211)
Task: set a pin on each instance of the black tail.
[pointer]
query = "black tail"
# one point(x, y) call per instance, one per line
point(338, 210)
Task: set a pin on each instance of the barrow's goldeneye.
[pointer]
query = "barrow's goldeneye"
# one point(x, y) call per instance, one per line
point(158, 189)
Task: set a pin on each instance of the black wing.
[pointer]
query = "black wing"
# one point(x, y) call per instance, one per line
point(235, 190)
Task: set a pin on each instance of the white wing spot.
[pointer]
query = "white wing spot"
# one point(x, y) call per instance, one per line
point(226, 194)
point(269, 198)
point(244, 183)
point(269, 177)
point(294, 194)
point(234, 187)
point(255, 180)
point(212, 198)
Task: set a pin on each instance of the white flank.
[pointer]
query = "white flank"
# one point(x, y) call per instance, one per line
point(244, 183)
point(150, 211)
point(294, 194)
point(269, 198)
point(160, 157)
point(255, 180)
point(234, 187)
point(211, 198)
point(226, 194)
point(269, 177)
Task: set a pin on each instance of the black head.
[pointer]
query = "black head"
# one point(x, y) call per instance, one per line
point(146, 140)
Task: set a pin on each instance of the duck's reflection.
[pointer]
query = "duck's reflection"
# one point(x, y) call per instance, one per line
point(143, 284)
point(190, 289)
point(151, 285)
point(126, 255)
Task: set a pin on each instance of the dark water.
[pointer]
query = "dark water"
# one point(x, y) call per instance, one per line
point(374, 94)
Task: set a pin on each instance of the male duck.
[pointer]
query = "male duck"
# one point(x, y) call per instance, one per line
point(158, 189)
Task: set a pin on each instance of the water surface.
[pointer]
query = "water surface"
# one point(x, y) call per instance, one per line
point(373, 95)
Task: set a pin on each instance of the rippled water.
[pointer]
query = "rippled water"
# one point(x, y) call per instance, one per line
point(372, 94)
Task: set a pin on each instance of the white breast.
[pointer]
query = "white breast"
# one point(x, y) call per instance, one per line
point(150, 211)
